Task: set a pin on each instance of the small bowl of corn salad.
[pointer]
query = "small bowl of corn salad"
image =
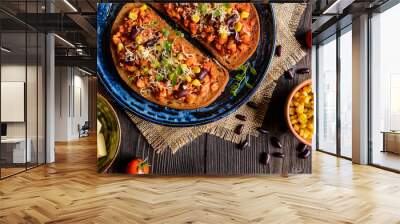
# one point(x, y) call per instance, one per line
point(299, 112)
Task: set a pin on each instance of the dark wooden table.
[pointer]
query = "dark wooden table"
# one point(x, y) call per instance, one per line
point(210, 155)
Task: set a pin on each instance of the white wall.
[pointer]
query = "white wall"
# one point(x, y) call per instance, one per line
point(70, 83)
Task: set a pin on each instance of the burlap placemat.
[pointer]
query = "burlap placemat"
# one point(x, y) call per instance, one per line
point(161, 137)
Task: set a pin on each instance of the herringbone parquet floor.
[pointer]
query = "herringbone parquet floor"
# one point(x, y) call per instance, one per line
point(70, 191)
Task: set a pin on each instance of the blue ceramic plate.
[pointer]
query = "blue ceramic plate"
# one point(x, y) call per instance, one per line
point(223, 106)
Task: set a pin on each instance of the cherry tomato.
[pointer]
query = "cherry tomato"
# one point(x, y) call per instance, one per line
point(138, 166)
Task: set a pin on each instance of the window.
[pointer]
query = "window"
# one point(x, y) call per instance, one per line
point(327, 96)
point(385, 89)
point(334, 109)
point(346, 95)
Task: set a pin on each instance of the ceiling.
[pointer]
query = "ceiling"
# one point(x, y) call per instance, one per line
point(332, 15)
point(72, 20)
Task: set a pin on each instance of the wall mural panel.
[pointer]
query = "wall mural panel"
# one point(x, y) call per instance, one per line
point(204, 88)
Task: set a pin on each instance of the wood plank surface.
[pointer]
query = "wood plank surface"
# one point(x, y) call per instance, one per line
point(210, 155)
point(71, 191)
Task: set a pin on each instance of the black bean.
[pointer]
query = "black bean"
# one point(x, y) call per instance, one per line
point(202, 74)
point(151, 42)
point(180, 93)
point(302, 71)
point(239, 129)
point(278, 154)
point(263, 130)
point(305, 154)
point(276, 142)
point(264, 158)
point(135, 31)
point(241, 117)
point(278, 50)
point(301, 147)
point(289, 74)
point(252, 105)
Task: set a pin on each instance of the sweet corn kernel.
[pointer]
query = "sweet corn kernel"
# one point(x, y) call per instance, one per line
point(133, 15)
point(303, 118)
point(184, 66)
point(196, 82)
point(143, 7)
point(195, 18)
point(138, 39)
point(310, 126)
point(120, 47)
point(224, 35)
point(188, 78)
point(229, 10)
point(301, 111)
point(196, 69)
point(244, 15)
point(238, 26)
point(307, 99)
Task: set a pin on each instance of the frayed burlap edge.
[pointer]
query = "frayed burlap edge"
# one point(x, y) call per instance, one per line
point(287, 20)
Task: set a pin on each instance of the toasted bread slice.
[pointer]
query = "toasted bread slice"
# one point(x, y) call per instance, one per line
point(218, 75)
point(233, 61)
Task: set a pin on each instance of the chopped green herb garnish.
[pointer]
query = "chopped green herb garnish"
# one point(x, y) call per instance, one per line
point(165, 32)
point(155, 64)
point(203, 8)
point(159, 77)
point(179, 70)
point(179, 33)
point(172, 77)
point(131, 78)
point(167, 45)
point(217, 13)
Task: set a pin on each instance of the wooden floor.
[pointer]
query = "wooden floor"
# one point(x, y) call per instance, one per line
point(70, 191)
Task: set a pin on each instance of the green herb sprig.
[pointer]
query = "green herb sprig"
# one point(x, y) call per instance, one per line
point(241, 77)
